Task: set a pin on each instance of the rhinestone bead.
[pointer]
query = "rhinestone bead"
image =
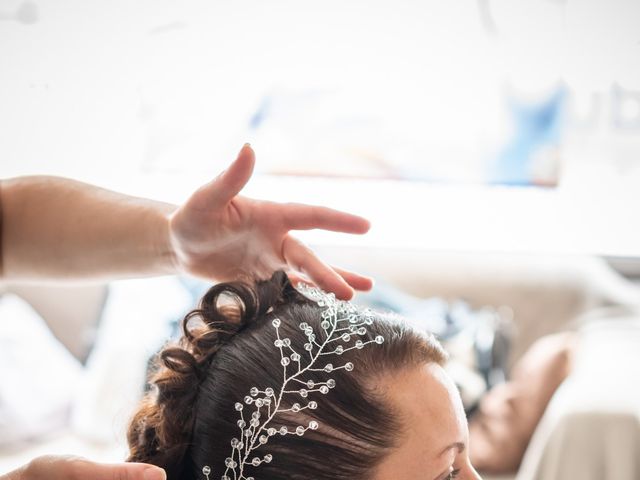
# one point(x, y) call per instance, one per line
point(325, 324)
point(300, 430)
point(313, 425)
point(253, 391)
point(248, 400)
point(283, 430)
point(238, 406)
point(263, 439)
point(269, 392)
point(348, 366)
point(285, 361)
point(313, 405)
point(206, 469)
point(359, 344)
point(324, 389)
point(267, 458)
point(242, 423)
point(303, 393)
point(328, 367)
point(331, 383)
point(295, 407)
point(379, 339)
point(275, 322)
point(255, 461)
point(311, 384)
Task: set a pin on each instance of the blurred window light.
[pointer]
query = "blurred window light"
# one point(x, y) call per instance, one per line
point(459, 98)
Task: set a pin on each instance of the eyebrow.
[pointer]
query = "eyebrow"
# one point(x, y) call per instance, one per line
point(459, 445)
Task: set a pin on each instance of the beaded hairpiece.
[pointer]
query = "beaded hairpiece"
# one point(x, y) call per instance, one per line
point(341, 321)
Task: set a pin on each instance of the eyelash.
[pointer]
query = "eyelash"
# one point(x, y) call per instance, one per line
point(452, 475)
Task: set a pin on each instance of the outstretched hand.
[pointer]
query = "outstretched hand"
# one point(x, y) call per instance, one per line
point(220, 234)
point(76, 468)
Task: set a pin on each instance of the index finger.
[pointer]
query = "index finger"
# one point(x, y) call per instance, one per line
point(298, 216)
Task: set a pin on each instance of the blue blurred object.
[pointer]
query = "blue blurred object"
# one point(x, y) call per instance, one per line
point(535, 126)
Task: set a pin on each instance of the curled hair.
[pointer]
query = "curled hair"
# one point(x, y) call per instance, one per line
point(188, 419)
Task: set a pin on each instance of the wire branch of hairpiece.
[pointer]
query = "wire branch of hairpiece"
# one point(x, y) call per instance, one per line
point(341, 323)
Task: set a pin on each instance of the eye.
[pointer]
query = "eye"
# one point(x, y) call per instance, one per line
point(453, 474)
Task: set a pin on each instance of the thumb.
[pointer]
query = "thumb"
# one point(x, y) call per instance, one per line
point(121, 471)
point(76, 468)
point(228, 184)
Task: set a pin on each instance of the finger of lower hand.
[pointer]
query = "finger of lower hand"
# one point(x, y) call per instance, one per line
point(301, 258)
point(76, 468)
point(357, 281)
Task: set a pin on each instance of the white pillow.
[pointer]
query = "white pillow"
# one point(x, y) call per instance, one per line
point(135, 323)
point(37, 374)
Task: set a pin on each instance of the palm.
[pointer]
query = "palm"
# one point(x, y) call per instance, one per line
point(220, 235)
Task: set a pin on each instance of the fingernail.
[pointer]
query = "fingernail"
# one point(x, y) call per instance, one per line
point(154, 473)
point(243, 147)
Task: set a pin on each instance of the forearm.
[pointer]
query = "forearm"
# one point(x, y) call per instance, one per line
point(63, 229)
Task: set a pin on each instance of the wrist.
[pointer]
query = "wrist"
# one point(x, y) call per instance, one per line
point(165, 249)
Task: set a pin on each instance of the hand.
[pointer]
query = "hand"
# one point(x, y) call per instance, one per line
point(219, 234)
point(75, 468)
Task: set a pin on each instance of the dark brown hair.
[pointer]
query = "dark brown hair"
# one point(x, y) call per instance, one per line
point(188, 419)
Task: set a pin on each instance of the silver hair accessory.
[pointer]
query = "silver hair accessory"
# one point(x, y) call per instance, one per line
point(341, 322)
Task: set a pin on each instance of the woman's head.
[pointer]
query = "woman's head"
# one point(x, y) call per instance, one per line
point(370, 426)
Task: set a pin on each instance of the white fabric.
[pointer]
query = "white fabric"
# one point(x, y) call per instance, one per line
point(591, 429)
point(37, 374)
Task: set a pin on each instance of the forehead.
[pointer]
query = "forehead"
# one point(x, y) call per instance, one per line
point(431, 412)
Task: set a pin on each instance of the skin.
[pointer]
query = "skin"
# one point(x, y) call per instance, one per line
point(51, 467)
point(56, 228)
point(435, 442)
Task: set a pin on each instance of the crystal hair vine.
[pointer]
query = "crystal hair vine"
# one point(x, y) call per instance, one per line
point(341, 321)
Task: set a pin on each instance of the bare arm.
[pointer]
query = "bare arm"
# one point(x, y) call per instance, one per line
point(60, 228)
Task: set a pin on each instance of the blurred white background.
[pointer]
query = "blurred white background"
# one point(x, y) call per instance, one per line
point(156, 97)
